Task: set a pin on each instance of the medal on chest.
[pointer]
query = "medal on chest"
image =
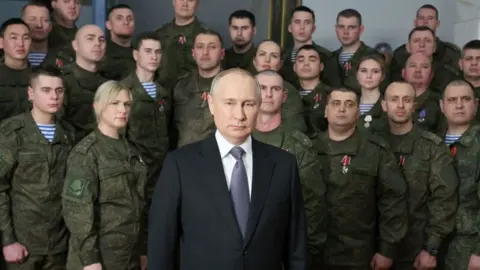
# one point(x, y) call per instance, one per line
point(422, 115)
point(453, 150)
point(345, 163)
point(317, 99)
point(368, 119)
point(161, 105)
point(401, 161)
point(347, 67)
point(58, 63)
point(204, 99)
point(182, 40)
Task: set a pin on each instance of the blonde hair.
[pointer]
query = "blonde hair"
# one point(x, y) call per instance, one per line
point(105, 93)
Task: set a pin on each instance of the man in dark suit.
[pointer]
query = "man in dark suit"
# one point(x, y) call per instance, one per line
point(229, 202)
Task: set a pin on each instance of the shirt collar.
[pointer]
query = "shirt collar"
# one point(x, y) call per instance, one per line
point(225, 146)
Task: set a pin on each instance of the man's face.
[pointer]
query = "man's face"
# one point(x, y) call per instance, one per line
point(185, 8)
point(149, 55)
point(69, 10)
point(273, 93)
point(422, 42)
point(342, 109)
point(16, 41)
point(399, 102)
point(268, 56)
point(234, 106)
point(46, 94)
point(369, 74)
point(418, 69)
point(427, 17)
point(241, 31)
point(470, 63)
point(302, 26)
point(208, 51)
point(307, 65)
point(90, 43)
point(121, 22)
point(348, 30)
point(459, 104)
point(38, 19)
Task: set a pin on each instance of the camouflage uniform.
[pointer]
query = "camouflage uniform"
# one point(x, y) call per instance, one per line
point(177, 43)
point(193, 119)
point(346, 75)
point(118, 62)
point(464, 241)
point(60, 36)
point(81, 86)
point(13, 91)
point(243, 61)
point(428, 114)
point(103, 204)
point(314, 104)
point(287, 68)
point(364, 193)
point(432, 192)
point(375, 120)
point(32, 173)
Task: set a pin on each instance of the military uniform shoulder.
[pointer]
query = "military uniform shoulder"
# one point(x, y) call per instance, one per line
point(67, 69)
point(185, 77)
point(302, 138)
point(451, 69)
point(10, 125)
point(378, 140)
point(401, 49)
point(431, 137)
point(164, 27)
point(83, 147)
point(452, 47)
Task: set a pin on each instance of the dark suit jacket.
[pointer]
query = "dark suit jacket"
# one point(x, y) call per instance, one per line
point(192, 213)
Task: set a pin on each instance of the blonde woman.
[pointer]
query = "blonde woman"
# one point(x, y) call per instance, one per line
point(104, 192)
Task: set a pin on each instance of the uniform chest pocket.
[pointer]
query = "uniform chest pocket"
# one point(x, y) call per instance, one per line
point(416, 174)
point(114, 183)
point(364, 174)
point(30, 164)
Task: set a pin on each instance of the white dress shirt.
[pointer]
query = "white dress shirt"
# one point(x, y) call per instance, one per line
point(229, 161)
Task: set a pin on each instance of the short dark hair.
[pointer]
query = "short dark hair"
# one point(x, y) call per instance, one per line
point(210, 33)
point(137, 42)
point(460, 82)
point(119, 6)
point(311, 47)
point(242, 14)
point(304, 9)
point(349, 13)
point(9, 22)
point(35, 4)
point(271, 40)
point(344, 89)
point(50, 71)
point(471, 45)
point(429, 6)
point(420, 29)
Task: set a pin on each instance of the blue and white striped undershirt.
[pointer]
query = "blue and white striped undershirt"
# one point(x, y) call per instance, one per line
point(304, 92)
point(294, 55)
point(365, 108)
point(452, 138)
point(151, 89)
point(344, 57)
point(48, 131)
point(36, 59)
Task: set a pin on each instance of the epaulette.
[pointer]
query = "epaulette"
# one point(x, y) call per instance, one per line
point(11, 125)
point(375, 139)
point(302, 138)
point(401, 49)
point(452, 46)
point(431, 137)
point(84, 145)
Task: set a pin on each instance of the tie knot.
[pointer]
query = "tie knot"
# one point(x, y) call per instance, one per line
point(237, 152)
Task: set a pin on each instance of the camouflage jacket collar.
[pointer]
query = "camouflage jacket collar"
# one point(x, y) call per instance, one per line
point(469, 136)
point(361, 51)
point(132, 82)
point(407, 144)
point(349, 146)
point(420, 100)
point(376, 110)
point(113, 49)
point(33, 130)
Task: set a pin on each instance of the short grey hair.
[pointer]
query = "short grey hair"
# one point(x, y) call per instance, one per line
point(271, 72)
point(238, 71)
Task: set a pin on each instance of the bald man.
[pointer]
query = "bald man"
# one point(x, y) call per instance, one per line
point(431, 181)
point(82, 79)
point(229, 202)
point(418, 71)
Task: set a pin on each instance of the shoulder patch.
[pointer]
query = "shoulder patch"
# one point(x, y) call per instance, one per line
point(431, 137)
point(84, 145)
point(76, 188)
point(11, 125)
point(375, 139)
point(302, 138)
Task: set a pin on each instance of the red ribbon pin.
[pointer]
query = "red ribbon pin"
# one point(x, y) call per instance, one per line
point(345, 162)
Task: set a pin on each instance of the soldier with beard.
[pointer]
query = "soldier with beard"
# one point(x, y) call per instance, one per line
point(242, 30)
point(118, 61)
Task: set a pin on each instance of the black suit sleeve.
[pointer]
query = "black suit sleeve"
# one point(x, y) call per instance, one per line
point(164, 215)
point(296, 253)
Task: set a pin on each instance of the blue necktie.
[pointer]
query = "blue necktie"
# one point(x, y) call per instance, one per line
point(239, 190)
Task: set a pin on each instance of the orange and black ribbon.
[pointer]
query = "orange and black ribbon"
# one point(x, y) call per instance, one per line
point(453, 150)
point(204, 99)
point(317, 99)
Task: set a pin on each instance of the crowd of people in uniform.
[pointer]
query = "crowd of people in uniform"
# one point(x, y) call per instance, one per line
point(387, 146)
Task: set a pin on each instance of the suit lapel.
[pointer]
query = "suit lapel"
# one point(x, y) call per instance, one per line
point(215, 179)
point(262, 175)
